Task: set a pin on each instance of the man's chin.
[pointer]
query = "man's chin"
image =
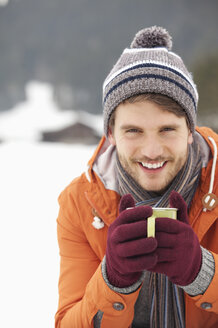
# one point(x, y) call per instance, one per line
point(158, 189)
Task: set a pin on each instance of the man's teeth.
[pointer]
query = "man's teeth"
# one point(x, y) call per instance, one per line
point(153, 166)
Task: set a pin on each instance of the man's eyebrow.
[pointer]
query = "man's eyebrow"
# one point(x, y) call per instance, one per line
point(129, 126)
point(170, 125)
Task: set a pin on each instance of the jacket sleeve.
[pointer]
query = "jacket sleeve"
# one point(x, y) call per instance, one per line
point(204, 277)
point(82, 289)
point(209, 300)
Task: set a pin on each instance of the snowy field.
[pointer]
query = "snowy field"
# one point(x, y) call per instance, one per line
point(32, 175)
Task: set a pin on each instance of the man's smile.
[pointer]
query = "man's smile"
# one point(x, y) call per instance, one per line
point(152, 166)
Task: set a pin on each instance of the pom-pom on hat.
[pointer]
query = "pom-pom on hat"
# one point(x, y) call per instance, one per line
point(149, 66)
point(152, 37)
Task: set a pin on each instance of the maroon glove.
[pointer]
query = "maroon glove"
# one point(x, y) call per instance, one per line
point(128, 250)
point(178, 253)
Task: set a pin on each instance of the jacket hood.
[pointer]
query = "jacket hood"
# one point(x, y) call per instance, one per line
point(103, 164)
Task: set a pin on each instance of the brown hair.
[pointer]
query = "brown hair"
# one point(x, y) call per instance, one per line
point(165, 102)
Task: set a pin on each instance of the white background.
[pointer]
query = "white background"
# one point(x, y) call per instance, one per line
point(32, 175)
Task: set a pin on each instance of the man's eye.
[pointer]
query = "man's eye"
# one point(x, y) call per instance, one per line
point(132, 130)
point(167, 129)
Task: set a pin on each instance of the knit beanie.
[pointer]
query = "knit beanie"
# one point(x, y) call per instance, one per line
point(149, 66)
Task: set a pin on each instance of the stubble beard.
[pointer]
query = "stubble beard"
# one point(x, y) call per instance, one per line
point(170, 174)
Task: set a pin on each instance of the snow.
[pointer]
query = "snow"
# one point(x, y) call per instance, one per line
point(4, 2)
point(31, 177)
point(38, 113)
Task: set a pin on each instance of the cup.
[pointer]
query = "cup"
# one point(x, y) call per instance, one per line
point(159, 212)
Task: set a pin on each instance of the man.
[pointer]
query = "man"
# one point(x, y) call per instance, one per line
point(152, 155)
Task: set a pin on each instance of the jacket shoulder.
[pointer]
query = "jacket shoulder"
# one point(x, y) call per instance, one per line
point(71, 200)
point(76, 185)
point(207, 132)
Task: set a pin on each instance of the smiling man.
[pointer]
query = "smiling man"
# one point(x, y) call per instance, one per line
point(151, 142)
point(152, 155)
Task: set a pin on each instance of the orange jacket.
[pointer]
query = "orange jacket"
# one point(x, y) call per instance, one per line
point(82, 290)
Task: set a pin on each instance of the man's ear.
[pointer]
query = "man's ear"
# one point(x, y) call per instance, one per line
point(190, 138)
point(111, 137)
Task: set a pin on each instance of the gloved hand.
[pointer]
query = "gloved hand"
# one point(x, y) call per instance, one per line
point(178, 253)
point(128, 250)
point(175, 251)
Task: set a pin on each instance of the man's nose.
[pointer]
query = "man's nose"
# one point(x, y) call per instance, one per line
point(152, 148)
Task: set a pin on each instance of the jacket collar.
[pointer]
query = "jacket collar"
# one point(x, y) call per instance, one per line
point(209, 175)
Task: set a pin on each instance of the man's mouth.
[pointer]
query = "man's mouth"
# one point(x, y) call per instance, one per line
point(153, 166)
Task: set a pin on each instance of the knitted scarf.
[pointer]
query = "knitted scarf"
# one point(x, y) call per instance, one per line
point(165, 298)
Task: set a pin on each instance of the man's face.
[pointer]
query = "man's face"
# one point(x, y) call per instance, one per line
point(152, 143)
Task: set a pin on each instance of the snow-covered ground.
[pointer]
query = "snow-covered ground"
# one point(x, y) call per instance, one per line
point(32, 174)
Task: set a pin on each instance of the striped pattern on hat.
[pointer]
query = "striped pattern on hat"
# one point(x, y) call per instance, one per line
point(150, 68)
